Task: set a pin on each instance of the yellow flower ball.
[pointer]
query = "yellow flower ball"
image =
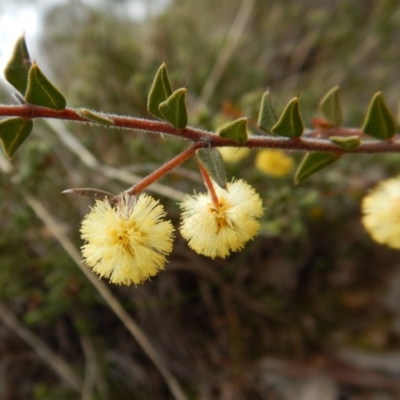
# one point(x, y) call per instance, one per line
point(274, 163)
point(216, 231)
point(127, 243)
point(381, 209)
point(234, 154)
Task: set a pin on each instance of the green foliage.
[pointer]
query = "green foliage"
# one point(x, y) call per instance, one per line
point(174, 109)
point(331, 107)
point(213, 163)
point(379, 122)
point(13, 132)
point(347, 143)
point(42, 92)
point(290, 123)
point(314, 162)
point(267, 116)
point(17, 69)
point(95, 117)
point(160, 91)
point(235, 130)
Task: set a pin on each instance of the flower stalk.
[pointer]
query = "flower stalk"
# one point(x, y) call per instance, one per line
point(209, 185)
point(160, 172)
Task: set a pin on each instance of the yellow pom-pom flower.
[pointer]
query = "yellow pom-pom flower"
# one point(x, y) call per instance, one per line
point(274, 163)
point(127, 243)
point(217, 230)
point(381, 209)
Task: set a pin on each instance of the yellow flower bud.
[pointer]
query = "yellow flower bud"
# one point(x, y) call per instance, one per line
point(274, 163)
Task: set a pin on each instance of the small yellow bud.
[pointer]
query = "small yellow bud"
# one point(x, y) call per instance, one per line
point(234, 154)
point(274, 163)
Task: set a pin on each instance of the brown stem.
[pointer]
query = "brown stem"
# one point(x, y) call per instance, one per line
point(307, 143)
point(209, 184)
point(162, 171)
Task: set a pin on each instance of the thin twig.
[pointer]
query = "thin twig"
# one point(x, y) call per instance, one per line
point(60, 367)
point(163, 170)
point(90, 368)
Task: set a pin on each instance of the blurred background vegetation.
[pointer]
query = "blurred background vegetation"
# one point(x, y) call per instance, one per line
point(311, 303)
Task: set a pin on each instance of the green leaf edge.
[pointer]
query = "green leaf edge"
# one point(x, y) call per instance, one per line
point(39, 88)
point(290, 123)
point(230, 130)
point(19, 137)
point(159, 92)
point(330, 106)
point(174, 109)
point(267, 117)
point(327, 159)
point(92, 116)
point(217, 172)
point(19, 64)
point(347, 143)
point(378, 109)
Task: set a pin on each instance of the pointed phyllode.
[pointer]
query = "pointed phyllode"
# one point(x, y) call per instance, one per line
point(348, 143)
point(41, 92)
point(17, 69)
point(235, 130)
point(159, 92)
point(212, 161)
point(13, 132)
point(267, 116)
point(92, 116)
point(314, 162)
point(290, 123)
point(174, 109)
point(331, 107)
point(379, 121)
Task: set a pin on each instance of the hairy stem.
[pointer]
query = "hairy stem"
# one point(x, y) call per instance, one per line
point(306, 143)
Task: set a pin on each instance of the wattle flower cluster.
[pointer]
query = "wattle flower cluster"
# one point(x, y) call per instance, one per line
point(128, 243)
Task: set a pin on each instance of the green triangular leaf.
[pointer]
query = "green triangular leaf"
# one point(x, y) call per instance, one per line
point(290, 123)
point(41, 92)
point(235, 130)
point(267, 116)
point(347, 143)
point(174, 109)
point(160, 91)
point(17, 69)
point(213, 163)
point(13, 132)
point(379, 121)
point(314, 162)
point(331, 107)
point(94, 117)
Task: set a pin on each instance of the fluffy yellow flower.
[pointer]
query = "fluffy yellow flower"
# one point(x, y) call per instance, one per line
point(216, 231)
point(234, 154)
point(127, 243)
point(274, 163)
point(381, 209)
